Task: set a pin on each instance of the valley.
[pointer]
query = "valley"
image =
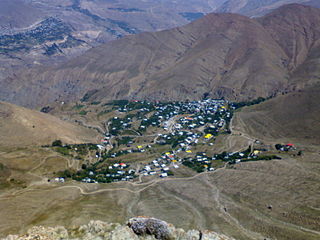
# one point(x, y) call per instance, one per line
point(168, 135)
point(198, 117)
point(143, 163)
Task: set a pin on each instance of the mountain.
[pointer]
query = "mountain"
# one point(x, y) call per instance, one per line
point(219, 55)
point(23, 127)
point(293, 115)
point(254, 8)
point(294, 28)
point(47, 32)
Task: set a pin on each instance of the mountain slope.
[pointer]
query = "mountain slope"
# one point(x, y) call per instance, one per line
point(88, 23)
point(294, 116)
point(294, 28)
point(24, 127)
point(18, 14)
point(220, 55)
point(85, 24)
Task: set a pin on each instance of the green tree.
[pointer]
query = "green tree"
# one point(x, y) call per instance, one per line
point(57, 143)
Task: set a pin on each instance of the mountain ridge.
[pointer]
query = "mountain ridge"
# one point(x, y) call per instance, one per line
point(219, 55)
point(93, 23)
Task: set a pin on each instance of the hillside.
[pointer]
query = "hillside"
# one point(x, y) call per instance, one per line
point(294, 116)
point(293, 28)
point(26, 38)
point(157, 159)
point(220, 55)
point(34, 33)
point(23, 127)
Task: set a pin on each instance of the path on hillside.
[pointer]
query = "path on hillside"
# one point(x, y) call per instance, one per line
point(97, 128)
point(226, 215)
point(140, 183)
point(240, 134)
point(83, 191)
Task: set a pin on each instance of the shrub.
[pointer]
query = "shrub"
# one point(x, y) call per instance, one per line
point(278, 146)
point(83, 112)
point(57, 143)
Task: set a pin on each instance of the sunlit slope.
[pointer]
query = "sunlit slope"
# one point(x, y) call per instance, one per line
point(20, 126)
point(292, 116)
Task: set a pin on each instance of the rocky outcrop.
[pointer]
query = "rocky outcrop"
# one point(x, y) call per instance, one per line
point(140, 228)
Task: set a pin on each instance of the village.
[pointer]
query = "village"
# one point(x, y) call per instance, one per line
point(155, 140)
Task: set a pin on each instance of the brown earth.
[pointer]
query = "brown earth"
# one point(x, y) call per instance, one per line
point(23, 127)
point(92, 23)
point(234, 201)
point(291, 117)
point(276, 199)
point(220, 55)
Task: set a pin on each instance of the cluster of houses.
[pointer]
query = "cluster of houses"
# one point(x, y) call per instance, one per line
point(202, 112)
point(162, 166)
point(113, 173)
point(182, 125)
point(117, 124)
point(59, 179)
point(285, 147)
point(199, 161)
point(215, 111)
point(184, 139)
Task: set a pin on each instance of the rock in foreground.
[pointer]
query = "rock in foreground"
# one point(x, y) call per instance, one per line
point(140, 228)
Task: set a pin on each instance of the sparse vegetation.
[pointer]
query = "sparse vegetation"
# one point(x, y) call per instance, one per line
point(83, 113)
point(250, 103)
point(78, 106)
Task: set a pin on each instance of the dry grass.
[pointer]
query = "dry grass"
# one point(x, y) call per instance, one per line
point(288, 185)
point(23, 127)
point(233, 201)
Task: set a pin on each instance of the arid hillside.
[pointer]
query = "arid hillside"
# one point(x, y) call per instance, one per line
point(43, 32)
point(46, 32)
point(294, 28)
point(23, 127)
point(220, 55)
point(254, 200)
point(294, 116)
